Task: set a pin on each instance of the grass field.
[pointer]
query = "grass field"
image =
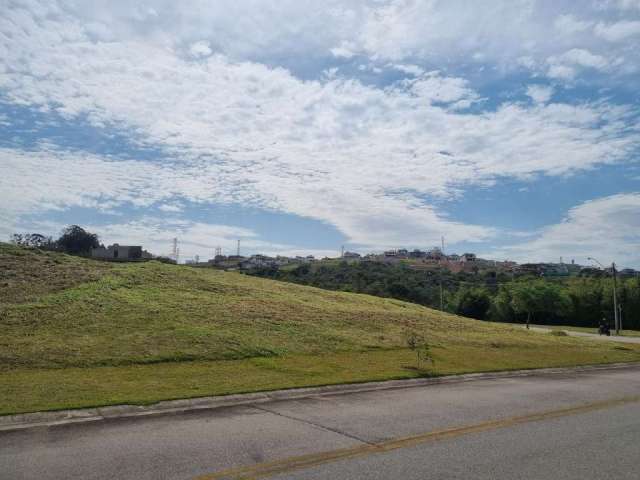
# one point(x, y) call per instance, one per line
point(82, 333)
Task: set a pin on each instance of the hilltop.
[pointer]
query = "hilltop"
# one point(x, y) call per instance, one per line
point(80, 332)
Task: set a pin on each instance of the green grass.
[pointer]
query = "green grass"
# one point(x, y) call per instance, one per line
point(84, 333)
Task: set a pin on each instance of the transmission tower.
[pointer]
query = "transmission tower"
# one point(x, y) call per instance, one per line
point(175, 251)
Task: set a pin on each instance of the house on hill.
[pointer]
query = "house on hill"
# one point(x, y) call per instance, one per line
point(120, 252)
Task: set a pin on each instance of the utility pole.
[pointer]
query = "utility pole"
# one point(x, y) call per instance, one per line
point(176, 251)
point(442, 260)
point(615, 299)
point(620, 316)
point(342, 252)
point(616, 313)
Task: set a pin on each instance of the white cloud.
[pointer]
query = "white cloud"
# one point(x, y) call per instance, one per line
point(626, 4)
point(540, 93)
point(200, 49)
point(616, 32)
point(414, 70)
point(561, 72)
point(568, 24)
point(171, 207)
point(346, 50)
point(337, 150)
point(435, 88)
point(501, 34)
point(567, 65)
point(365, 159)
point(584, 58)
point(435, 32)
point(607, 229)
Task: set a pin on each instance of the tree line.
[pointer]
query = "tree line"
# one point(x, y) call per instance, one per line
point(74, 240)
point(579, 301)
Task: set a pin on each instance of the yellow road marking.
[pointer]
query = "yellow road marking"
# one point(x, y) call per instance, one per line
point(266, 469)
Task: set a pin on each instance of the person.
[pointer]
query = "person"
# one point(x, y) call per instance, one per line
point(604, 329)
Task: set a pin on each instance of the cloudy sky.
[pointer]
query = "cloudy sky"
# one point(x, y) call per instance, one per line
point(510, 127)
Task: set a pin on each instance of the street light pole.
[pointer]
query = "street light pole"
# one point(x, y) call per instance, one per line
point(615, 298)
point(616, 321)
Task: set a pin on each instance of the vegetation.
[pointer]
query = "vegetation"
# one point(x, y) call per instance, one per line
point(74, 240)
point(578, 301)
point(77, 332)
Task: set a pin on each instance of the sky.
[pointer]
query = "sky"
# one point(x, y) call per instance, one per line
point(510, 127)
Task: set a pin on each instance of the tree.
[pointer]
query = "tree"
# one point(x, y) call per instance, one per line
point(538, 298)
point(472, 302)
point(76, 240)
point(34, 240)
point(419, 345)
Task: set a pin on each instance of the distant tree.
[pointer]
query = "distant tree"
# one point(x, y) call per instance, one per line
point(539, 298)
point(16, 239)
point(35, 240)
point(472, 302)
point(501, 308)
point(76, 240)
point(587, 303)
point(523, 300)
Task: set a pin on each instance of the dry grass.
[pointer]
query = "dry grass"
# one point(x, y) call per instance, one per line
point(27, 273)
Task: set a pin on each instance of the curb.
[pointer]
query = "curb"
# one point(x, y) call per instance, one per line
point(65, 417)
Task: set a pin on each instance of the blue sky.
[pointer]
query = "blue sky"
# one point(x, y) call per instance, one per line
point(510, 128)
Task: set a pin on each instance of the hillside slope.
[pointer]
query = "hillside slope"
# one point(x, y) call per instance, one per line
point(59, 313)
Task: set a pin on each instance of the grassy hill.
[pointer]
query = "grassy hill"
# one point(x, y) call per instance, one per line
point(77, 332)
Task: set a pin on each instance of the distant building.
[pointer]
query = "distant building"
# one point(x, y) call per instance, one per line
point(544, 269)
point(120, 252)
point(351, 255)
point(435, 254)
point(628, 272)
point(468, 257)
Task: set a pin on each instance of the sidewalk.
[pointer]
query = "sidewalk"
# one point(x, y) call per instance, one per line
point(594, 336)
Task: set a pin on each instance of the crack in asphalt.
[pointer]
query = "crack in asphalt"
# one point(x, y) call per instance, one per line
point(317, 425)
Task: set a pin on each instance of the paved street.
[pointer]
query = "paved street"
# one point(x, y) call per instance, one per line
point(592, 336)
point(561, 426)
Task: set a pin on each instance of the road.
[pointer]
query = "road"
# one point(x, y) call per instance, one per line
point(592, 336)
point(562, 426)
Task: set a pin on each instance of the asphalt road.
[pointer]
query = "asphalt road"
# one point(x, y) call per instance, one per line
point(560, 426)
point(592, 336)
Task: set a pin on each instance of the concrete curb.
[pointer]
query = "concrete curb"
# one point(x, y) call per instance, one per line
point(65, 417)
